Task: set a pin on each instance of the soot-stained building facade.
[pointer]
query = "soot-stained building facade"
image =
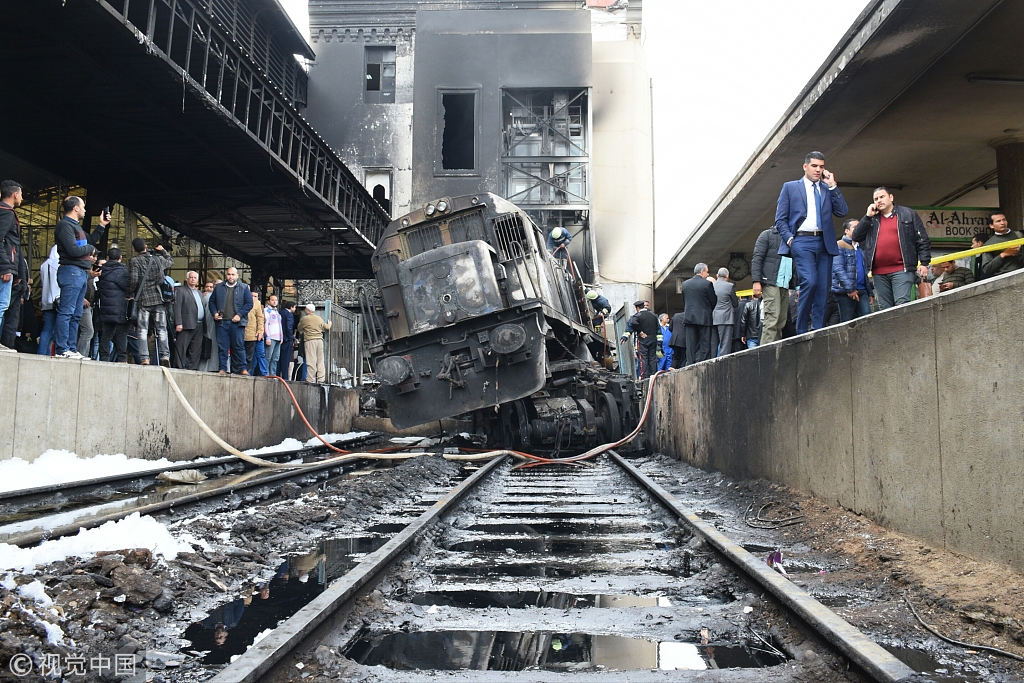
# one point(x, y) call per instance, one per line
point(543, 102)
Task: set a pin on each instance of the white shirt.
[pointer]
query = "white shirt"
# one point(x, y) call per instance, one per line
point(811, 222)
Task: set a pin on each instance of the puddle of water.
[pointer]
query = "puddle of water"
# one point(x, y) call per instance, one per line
point(472, 599)
point(563, 527)
point(565, 572)
point(386, 528)
point(922, 662)
point(557, 544)
point(832, 601)
point(516, 651)
point(231, 628)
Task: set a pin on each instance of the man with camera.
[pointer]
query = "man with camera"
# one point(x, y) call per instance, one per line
point(147, 276)
point(76, 250)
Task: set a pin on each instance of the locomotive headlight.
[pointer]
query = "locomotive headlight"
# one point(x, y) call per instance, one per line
point(442, 206)
point(405, 222)
point(430, 209)
point(508, 338)
point(393, 370)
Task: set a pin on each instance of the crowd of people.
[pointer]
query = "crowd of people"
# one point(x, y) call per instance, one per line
point(805, 280)
point(104, 309)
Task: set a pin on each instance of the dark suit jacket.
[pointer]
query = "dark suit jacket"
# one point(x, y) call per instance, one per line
point(678, 338)
point(792, 210)
point(186, 313)
point(699, 301)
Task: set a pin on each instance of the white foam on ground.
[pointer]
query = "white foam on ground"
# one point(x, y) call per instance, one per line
point(134, 531)
point(36, 591)
point(335, 438)
point(286, 445)
point(62, 467)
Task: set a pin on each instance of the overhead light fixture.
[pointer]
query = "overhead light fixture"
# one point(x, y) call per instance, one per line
point(995, 80)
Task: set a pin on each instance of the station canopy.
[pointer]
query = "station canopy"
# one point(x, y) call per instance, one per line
point(188, 112)
point(917, 96)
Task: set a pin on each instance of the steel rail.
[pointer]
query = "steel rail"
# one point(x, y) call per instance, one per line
point(861, 650)
point(68, 486)
point(262, 657)
point(34, 537)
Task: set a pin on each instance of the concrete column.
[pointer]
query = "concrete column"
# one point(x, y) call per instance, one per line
point(1010, 169)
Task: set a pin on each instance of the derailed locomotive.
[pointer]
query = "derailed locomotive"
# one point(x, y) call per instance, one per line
point(481, 319)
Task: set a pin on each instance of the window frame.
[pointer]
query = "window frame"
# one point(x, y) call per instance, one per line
point(439, 170)
point(380, 54)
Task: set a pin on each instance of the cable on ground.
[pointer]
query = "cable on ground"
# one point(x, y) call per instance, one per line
point(969, 646)
point(346, 456)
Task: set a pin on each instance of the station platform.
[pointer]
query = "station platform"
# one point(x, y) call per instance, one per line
point(91, 408)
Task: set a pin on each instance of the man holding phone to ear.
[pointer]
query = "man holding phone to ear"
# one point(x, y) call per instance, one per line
point(894, 241)
point(803, 218)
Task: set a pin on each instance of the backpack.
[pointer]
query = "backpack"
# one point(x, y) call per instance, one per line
point(167, 289)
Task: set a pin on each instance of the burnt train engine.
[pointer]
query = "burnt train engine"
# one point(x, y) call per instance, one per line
point(481, 319)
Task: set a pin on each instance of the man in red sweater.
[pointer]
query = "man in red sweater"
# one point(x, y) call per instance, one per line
point(896, 247)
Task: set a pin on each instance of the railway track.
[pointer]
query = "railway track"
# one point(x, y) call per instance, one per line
point(590, 571)
point(30, 516)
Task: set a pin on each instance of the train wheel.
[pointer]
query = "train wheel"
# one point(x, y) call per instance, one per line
point(611, 421)
point(515, 426)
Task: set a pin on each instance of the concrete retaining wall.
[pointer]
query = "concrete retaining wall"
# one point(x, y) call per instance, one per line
point(912, 416)
point(91, 408)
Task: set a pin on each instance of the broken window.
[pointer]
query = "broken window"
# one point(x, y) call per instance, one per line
point(380, 75)
point(457, 128)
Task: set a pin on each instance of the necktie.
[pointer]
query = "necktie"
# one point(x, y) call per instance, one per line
point(817, 203)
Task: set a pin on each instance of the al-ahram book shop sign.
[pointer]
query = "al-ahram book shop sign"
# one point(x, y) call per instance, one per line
point(952, 223)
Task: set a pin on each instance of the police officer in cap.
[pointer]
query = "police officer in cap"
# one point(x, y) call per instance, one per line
point(645, 325)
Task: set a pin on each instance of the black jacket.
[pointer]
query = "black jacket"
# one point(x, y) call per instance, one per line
point(764, 265)
point(678, 340)
point(750, 319)
point(74, 244)
point(646, 322)
point(914, 242)
point(10, 240)
point(699, 301)
point(114, 291)
point(993, 264)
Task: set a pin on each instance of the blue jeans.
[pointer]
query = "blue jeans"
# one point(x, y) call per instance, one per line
point(159, 315)
point(893, 289)
point(46, 336)
point(5, 298)
point(72, 281)
point(753, 343)
point(231, 336)
point(813, 266)
point(850, 309)
point(273, 353)
point(258, 362)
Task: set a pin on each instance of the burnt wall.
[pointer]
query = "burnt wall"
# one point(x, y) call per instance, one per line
point(911, 416)
point(484, 51)
point(368, 137)
point(92, 408)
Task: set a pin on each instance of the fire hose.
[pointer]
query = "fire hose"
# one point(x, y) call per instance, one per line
point(529, 460)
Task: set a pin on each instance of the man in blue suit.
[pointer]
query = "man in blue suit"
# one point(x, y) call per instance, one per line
point(804, 221)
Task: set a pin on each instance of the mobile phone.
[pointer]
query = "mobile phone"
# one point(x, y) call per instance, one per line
point(106, 212)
